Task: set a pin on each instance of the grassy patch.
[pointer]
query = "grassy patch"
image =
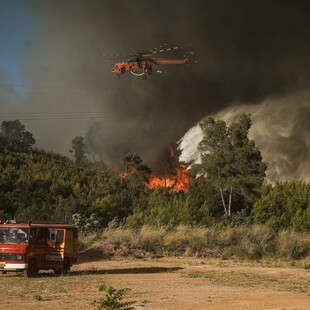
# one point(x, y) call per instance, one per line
point(254, 242)
point(199, 274)
point(248, 279)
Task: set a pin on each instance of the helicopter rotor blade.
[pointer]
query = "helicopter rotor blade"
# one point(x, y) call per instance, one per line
point(118, 56)
point(114, 55)
point(155, 48)
point(162, 50)
point(159, 49)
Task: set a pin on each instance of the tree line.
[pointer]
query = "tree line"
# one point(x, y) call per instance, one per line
point(228, 187)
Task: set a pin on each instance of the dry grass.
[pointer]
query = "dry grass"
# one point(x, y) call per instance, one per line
point(251, 243)
point(292, 244)
point(253, 279)
point(150, 240)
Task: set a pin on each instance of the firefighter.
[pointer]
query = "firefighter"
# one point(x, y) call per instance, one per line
point(14, 236)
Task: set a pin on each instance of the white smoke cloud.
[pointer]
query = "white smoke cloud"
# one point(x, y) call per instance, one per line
point(280, 128)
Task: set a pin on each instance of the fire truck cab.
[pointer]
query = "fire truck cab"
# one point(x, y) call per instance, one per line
point(31, 247)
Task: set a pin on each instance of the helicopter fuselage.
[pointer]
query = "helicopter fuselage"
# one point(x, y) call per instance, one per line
point(143, 66)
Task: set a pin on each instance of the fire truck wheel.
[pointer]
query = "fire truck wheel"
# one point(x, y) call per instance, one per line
point(32, 270)
point(64, 270)
point(57, 271)
point(66, 265)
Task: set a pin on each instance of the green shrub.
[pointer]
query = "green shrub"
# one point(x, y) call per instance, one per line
point(284, 205)
point(113, 299)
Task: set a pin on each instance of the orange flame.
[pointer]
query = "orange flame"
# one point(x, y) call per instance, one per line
point(176, 183)
point(119, 171)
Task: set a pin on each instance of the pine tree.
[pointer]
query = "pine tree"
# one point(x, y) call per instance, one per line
point(230, 160)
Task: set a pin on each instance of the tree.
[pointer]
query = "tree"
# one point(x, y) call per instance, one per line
point(134, 166)
point(230, 160)
point(284, 205)
point(14, 137)
point(79, 148)
point(2, 143)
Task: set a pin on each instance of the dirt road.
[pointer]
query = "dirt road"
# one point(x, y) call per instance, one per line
point(166, 283)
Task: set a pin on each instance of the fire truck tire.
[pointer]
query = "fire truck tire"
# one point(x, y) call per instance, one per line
point(32, 270)
point(64, 270)
point(57, 271)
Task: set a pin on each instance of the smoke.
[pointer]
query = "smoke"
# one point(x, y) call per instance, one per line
point(7, 93)
point(247, 51)
point(280, 128)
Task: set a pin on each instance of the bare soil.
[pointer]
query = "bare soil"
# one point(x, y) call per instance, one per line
point(163, 283)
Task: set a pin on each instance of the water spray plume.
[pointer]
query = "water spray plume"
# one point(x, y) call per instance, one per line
point(280, 128)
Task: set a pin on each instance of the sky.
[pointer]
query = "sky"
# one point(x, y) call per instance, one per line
point(17, 30)
point(55, 79)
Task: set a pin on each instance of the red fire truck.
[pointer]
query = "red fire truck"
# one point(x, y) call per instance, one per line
point(32, 247)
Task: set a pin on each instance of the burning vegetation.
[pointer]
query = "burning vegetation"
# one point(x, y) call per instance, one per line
point(169, 173)
point(177, 182)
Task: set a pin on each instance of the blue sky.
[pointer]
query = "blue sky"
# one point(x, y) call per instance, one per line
point(17, 30)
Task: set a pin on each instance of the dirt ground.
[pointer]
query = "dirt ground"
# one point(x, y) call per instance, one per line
point(165, 283)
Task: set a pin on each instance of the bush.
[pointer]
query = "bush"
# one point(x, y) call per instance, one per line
point(293, 245)
point(151, 240)
point(284, 205)
point(113, 299)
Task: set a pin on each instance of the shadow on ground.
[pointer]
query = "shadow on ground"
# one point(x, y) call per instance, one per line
point(125, 271)
point(94, 271)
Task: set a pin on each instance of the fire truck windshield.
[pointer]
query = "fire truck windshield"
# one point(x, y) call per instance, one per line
point(14, 235)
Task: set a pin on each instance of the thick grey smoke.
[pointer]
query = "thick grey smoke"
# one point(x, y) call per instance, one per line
point(280, 128)
point(248, 50)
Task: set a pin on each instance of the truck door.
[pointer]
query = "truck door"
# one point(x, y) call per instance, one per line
point(56, 242)
point(38, 247)
point(69, 243)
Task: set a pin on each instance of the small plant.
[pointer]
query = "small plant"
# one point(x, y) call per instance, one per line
point(113, 299)
point(307, 266)
point(38, 297)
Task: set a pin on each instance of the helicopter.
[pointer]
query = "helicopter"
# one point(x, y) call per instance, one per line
point(141, 63)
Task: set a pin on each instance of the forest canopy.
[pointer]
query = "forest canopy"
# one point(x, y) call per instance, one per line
point(227, 188)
